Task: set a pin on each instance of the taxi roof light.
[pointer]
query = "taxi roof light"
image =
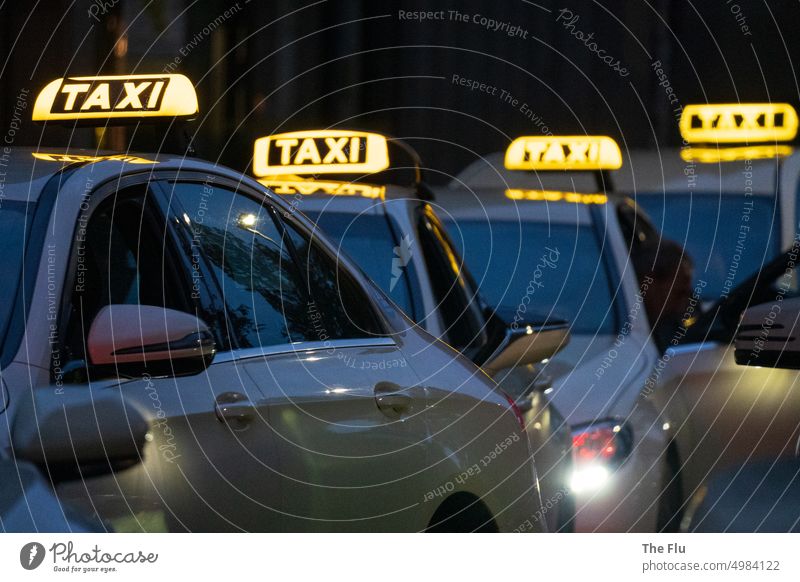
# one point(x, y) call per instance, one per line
point(568, 152)
point(738, 123)
point(122, 98)
point(329, 151)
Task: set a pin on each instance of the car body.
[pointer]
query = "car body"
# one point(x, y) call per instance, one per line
point(761, 494)
point(397, 238)
point(302, 420)
point(549, 241)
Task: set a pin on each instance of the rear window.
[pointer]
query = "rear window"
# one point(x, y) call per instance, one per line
point(370, 241)
point(14, 224)
point(526, 268)
point(728, 236)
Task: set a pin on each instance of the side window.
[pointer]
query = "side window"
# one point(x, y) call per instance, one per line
point(252, 263)
point(454, 297)
point(339, 306)
point(121, 257)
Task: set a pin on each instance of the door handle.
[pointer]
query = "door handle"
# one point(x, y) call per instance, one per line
point(234, 409)
point(391, 400)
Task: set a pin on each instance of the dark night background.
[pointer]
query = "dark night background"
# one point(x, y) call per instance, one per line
point(271, 66)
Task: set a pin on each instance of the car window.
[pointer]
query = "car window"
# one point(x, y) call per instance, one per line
point(14, 225)
point(121, 256)
point(370, 241)
point(455, 297)
point(251, 263)
point(728, 236)
point(556, 270)
point(340, 307)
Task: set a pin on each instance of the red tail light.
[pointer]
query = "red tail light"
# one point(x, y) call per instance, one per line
point(607, 443)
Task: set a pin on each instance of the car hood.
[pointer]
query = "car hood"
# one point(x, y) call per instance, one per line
point(597, 377)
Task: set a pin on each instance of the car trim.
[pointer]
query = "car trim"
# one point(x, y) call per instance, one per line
point(692, 347)
point(301, 347)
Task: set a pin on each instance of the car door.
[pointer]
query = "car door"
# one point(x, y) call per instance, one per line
point(345, 408)
point(724, 414)
point(207, 465)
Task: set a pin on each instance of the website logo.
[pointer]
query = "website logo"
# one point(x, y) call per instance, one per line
point(31, 555)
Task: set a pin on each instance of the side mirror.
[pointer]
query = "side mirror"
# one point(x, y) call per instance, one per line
point(527, 344)
point(768, 335)
point(77, 432)
point(131, 340)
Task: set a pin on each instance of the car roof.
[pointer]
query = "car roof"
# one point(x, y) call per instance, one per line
point(29, 169)
point(494, 204)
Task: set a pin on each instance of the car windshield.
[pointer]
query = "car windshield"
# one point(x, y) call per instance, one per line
point(728, 236)
point(535, 267)
point(370, 241)
point(14, 216)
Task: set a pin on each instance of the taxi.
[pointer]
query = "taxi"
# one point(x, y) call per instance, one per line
point(730, 198)
point(539, 231)
point(281, 390)
point(394, 233)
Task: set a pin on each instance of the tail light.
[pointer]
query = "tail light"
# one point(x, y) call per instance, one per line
point(598, 450)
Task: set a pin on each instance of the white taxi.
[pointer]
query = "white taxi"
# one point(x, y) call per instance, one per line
point(730, 198)
point(394, 234)
point(280, 389)
point(540, 233)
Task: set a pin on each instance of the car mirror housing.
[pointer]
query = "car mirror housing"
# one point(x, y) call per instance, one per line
point(133, 340)
point(77, 432)
point(527, 344)
point(768, 335)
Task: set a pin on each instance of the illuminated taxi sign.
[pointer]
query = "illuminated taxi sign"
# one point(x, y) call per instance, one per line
point(308, 187)
point(738, 122)
point(734, 154)
point(126, 97)
point(571, 152)
point(73, 158)
point(555, 196)
point(320, 152)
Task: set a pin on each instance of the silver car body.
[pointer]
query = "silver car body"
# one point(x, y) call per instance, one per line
point(597, 378)
point(311, 450)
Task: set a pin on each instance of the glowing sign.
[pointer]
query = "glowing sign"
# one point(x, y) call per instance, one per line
point(734, 154)
point(124, 97)
point(738, 122)
point(320, 152)
point(570, 152)
point(72, 158)
point(556, 196)
point(308, 187)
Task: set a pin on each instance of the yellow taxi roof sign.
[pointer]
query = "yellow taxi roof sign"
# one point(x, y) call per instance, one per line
point(308, 187)
point(567, 152)
point(328, 151)
point(738, 122)
point(117, 97)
